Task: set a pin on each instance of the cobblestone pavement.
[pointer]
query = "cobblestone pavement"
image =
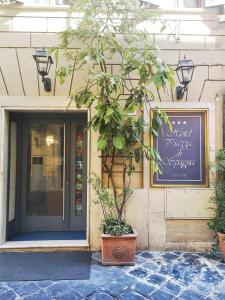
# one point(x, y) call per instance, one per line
point(156, 276)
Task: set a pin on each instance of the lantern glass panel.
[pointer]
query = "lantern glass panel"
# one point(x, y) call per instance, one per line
point(185, 71)
point(42, 67)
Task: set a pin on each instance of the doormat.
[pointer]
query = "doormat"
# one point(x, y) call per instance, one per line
point(49, 235)
point(16, 266)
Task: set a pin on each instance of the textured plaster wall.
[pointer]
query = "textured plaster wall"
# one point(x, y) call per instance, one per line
point(196, 33)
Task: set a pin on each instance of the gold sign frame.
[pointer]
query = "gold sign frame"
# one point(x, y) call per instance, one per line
point(180, 110)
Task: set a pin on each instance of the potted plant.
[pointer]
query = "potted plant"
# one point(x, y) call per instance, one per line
point(217, 223)
point(114, 52)
point(118, 239)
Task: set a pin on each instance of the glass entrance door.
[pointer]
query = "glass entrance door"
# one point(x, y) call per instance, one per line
point(53, 164)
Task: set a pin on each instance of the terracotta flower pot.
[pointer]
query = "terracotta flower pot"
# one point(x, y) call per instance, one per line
point(221, 237)
point(119, 250)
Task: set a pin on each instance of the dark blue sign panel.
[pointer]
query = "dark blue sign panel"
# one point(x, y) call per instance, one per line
point(182, 150)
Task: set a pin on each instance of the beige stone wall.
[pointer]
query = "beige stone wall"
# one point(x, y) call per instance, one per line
point(195, 33)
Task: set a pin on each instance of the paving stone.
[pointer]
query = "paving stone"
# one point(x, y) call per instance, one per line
point(147, 255)
point(139, 272)
point(100, 296)
point(71, 295)
point(115, 289)
point(156, 279)
point(161, 295)
point(180, 273)
point(144, 289)
point(202, 288)
point(44, 283)
point(139, 259)
point(14, 284)
point(166, 269)
point(172, 287)
point(219, 296)
point(178, 252)
point(8, 295)
point(85, 289)
point(150, 266)
point(40, 295)
point(211, 276)
point(127, 280)
point(3, 290)
point(221, 267)
point(131, 295)
point(190, 295)
point(100, 277)
point(26, 288)
point(170, 256)
point(57, 289)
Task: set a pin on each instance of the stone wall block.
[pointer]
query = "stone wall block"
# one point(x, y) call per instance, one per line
point(5, 23)
point(57, 24)
point(207, 57)
point(194, 88)
point(197, 27)
point(171, 57)
point(187, 231)
point(215, 42)
point(157, 231)
point(44, 40)
point(184, 42)
point(156, 200)
point(137, 215)
point(29, 24)
point(12, 39)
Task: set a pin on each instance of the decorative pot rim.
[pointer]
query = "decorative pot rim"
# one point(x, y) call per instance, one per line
point(129, 235)
point(221, 235)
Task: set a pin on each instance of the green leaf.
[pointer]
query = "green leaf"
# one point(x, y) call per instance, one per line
point(154, 132)
point(118, 142)
point(102, 143)
point(109, 111)
point(137, 156)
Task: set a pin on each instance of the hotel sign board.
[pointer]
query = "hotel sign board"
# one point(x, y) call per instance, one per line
point(183, 150)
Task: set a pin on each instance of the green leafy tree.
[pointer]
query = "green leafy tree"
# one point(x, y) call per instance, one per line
point(217, 223)
point(108, 30)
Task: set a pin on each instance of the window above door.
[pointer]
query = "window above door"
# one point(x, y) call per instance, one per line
point(48, 3)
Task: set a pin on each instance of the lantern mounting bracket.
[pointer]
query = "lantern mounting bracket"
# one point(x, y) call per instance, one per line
point(180, 91)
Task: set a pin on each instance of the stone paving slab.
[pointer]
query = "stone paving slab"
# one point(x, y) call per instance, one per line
point(156, 276)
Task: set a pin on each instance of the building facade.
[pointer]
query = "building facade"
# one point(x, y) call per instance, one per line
point(44, 151)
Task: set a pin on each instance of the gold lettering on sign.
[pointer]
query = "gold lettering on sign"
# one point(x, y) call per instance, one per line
point(180, 139)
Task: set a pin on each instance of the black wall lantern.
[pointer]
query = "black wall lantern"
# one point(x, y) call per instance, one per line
point(44, 62)
point(184, 70)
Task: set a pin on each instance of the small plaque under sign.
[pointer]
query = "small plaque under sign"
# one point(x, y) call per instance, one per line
point(188, 203)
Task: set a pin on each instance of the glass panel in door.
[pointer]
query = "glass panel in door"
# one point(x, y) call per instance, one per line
point(43, 176)
point(78, 187)
point(45, 171)
point(79, 172)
